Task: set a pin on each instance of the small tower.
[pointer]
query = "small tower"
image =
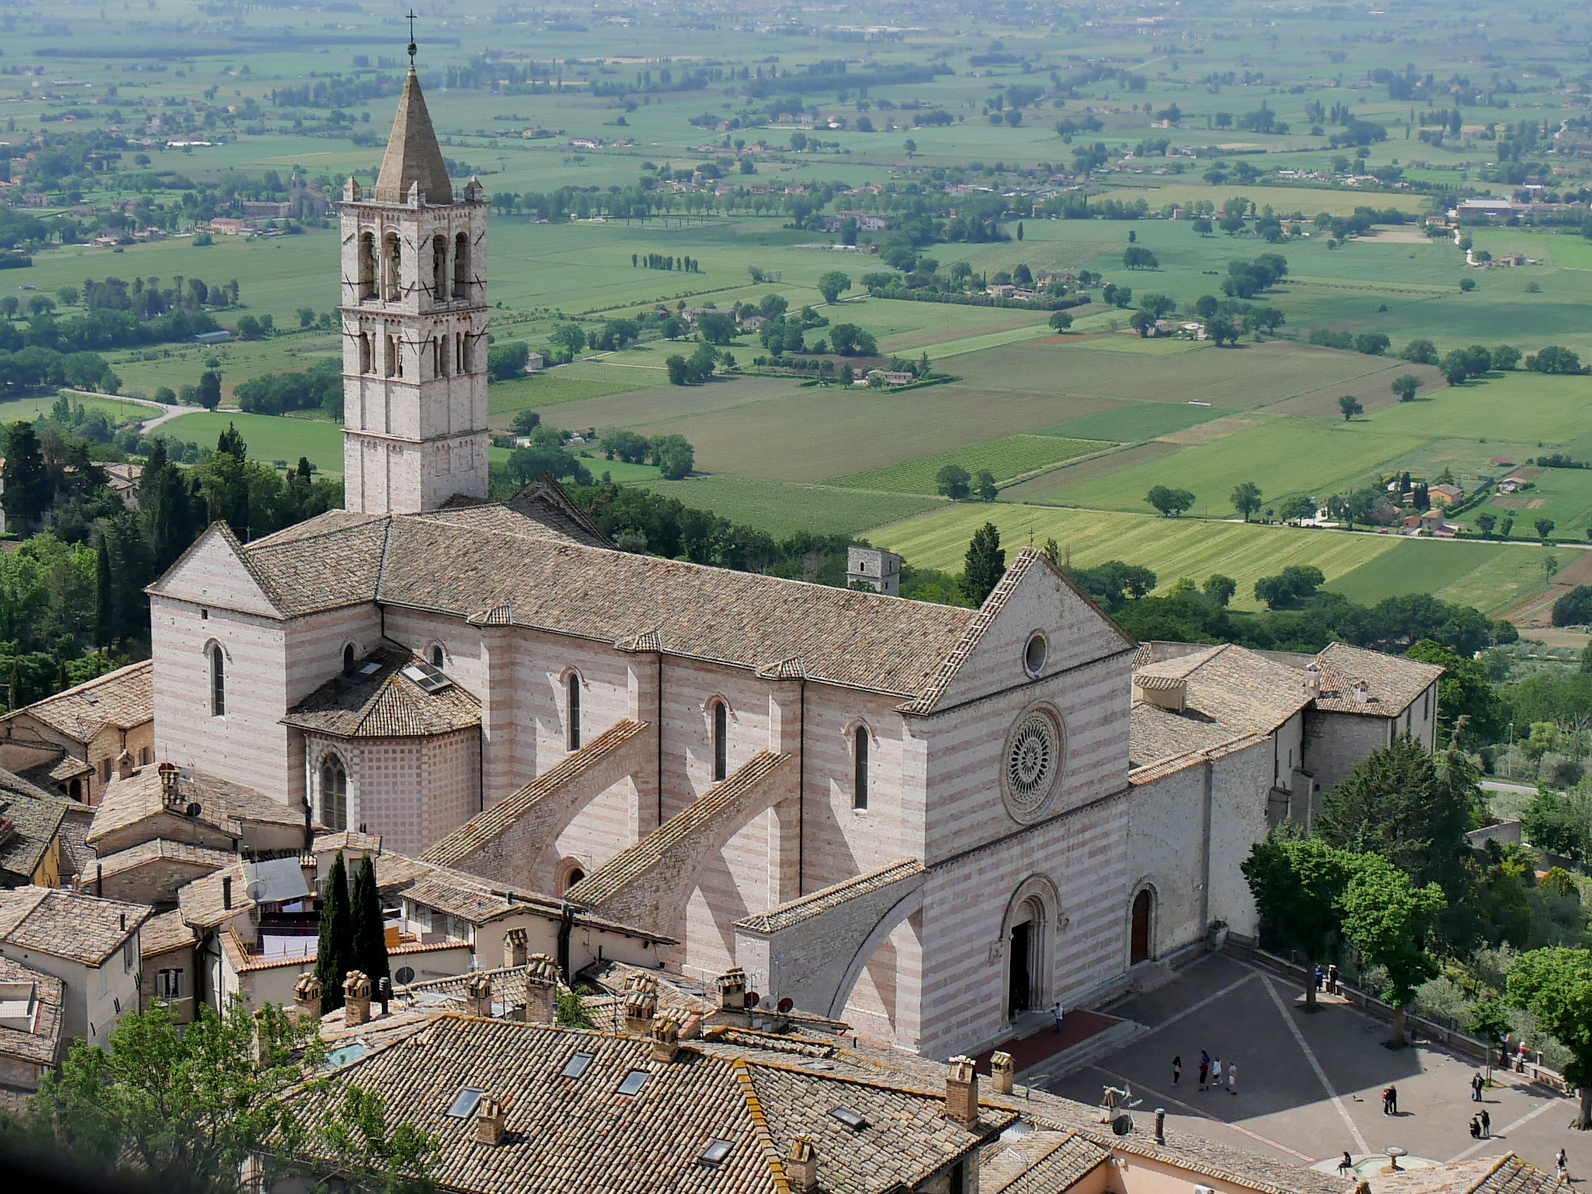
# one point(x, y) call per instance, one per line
point(414, 327)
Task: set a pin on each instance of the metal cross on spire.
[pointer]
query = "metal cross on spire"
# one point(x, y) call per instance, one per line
point(411, 19)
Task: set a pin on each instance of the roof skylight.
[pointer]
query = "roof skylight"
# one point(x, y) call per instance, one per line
point(852, 1119)
point(464, 1103)
point(426, 678)
point(633, 1082)
point(716, 1152)
point(576, 1065)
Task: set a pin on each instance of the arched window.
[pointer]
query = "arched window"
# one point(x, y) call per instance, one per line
point(75, 789)
point(572, 710)
point(367, 265)
point(334, 794)
point(218, 681)
point(437, 655)
point(721, 740)
point(389, 356)
point(348, 658)
point(859, 762)
point(460, 363)
point(366, 353)
point(439, 359)
point(439, 268)
point(461, 266)
point(391, 263)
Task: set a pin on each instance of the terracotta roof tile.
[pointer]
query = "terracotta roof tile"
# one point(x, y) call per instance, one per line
point(786, 915)
point(40, 1041)
point(67, 924)
point(139, 797)
point(384, 703)
point(121, 699)
point(1392, 681)
point(163, 932)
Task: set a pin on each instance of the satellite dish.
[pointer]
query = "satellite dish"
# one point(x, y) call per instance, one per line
point(751, 999)
point(785, 1005)
point(193, 810)
point(404, 975)
point(1122, 1125)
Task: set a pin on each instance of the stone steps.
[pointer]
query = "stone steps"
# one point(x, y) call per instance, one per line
point(1084, 1053)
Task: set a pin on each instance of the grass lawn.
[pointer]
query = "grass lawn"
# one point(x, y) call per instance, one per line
point(1171, 547)
point(567, 383)
point(782, 510)
point(1561, 494)
point(1516, 406)
point(270, 437)
point(1008, 458)
point(1282, 456)
point(33, 408)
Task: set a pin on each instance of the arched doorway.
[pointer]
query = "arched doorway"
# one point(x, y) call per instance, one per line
point(1143, 910)
point(1025, 941)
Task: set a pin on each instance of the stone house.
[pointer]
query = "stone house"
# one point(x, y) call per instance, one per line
point(31, 821)
point(91, 945)
point(1445, 495)
point(169, 965)
point(82, 737)
point(31, 1036)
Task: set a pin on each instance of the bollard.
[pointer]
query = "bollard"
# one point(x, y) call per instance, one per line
point(1160, 1125)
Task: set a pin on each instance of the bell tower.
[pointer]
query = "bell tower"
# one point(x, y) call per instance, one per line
point(414, 320)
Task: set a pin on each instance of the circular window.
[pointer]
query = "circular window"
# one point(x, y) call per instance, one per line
point(1033, 759)
point(1034, 654)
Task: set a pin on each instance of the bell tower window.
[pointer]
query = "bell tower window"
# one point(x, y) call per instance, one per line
point(366, 353)
point(439, 268)
point(461, 266)
point(367, 265)
point(391, 263)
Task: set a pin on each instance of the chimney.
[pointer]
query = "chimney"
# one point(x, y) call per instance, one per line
point(1002, 1069)
point(169, 796)
point(226, 891)
point(961, 1092)
point(356, 998)
point(1360, 691)
point(801, 1165)
point(1313, 680)
point(124, 764)
point(665, 1034)
point(478, 995)
point(732, 990)
point(514, 947)
point(489, 1116)
point(541, 989)
point(310, 868)
point(641, 1003)
point(307, 996)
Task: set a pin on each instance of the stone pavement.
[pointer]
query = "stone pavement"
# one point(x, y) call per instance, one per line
point(1309, 1086)
point(1031, 1052)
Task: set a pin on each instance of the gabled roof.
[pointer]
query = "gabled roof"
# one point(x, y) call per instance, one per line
point(1506, 1174)
point(384, 702)
point(226, 805)
point(1391, 681)
point(121, 699)
point(40, 1041)
point(412, 153)
point(67, 924)
point(30, 821)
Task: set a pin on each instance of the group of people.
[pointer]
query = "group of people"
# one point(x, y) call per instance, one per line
point(1213, 1073)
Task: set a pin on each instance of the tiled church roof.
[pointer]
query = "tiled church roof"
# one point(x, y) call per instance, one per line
point(384, 703)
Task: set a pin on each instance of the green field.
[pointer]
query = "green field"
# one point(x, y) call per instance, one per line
point(1134, 422)
point(269, 437)
point(569, 383)
point(1006, 459)
point(1479, 574)
point(32, 408)
point(789, 509)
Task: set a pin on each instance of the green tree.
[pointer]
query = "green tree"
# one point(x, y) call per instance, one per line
point(1405, 385)
point(1574, 608)
point(953, 481)
point(1350, 406)
point(1544, 528)
point(985, 564)
point(569, 336)
point(1221, 330)
point(1297, 507)
point(1298, 884)
point(1560, 821)
point(29, 485)
point(679, 370)
point(525, 422)
point(1060, 320)
point(1170, 502)
point(1467, 702)
point(984, 486)
point(368, 933)
point(334, 956)
point(210, 389)
point(1219, 589)
point(1390, 921)
point(831, 284)
point(1246, 499)
point(184, 1109)
point(506, 361)
point(1555, 986)
point(674, 456)
point(1142, 322)
point(1401, 805)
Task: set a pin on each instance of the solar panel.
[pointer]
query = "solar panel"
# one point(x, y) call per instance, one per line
point(576, 1065)
point(464, 1103)
point(850, 1118)
point(716, 1152)
point(370, 669)
point(426, 678)
point(633, 1082)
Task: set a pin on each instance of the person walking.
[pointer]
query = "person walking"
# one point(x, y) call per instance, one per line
point(1321, 977)
point(1346, 1166)
point(1060, 1012)
point(1390, 1101)
point(1216, 1073)
point(1332, 979)
point(1232, 1077)
point(1486, 1123)
point(1477, 1082)
point(1205, 1069)
point(1561, 1167)
point(1177, 1069)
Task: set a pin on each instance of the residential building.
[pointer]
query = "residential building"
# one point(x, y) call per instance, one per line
point(82, 737)
point(31, 1035)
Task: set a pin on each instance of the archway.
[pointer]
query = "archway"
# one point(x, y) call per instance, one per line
point(1024, 943)
point(1139, 938)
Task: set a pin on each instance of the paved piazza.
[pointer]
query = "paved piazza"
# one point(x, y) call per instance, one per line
point(1309, 1087)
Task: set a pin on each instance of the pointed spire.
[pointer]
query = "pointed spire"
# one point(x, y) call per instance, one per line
point(412, 152)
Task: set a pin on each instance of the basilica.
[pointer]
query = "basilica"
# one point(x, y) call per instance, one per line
point(916, 819)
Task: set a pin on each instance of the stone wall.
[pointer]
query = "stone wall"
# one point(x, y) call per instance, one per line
point(1336, 743)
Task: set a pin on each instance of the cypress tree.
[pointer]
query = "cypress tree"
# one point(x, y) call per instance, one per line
point(29, 487)
point(986, 562)
point(333, 952)
point(369, 934)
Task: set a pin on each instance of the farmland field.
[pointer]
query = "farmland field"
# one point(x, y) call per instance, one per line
point(32, 408)
point(782, 509)
point(559, 386)
point(1006, 459)
point(269, 437)
point(1135, 421)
